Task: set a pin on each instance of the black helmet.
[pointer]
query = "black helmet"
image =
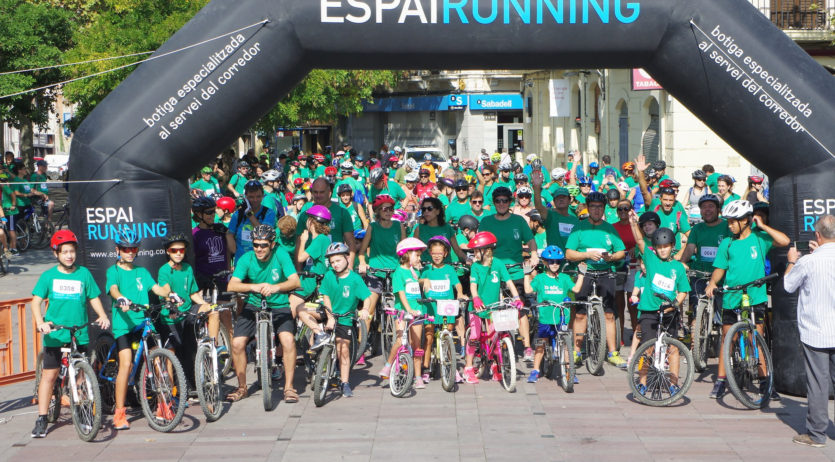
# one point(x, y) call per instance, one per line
point(502, 191)
point(710, 198)
point(612, 194)
point(263, 232)
point(514, 166)
point(344, 187)
point(534, 215)
point(174, 237)
point(761, 206)
point(376, 175)
point(699, 175)
point(202, 203)
point(659, 165)
point(649, 216)
point(468, 222)
point(596, 197)
point(253, 185)
point(663, 236)
point(461, 183)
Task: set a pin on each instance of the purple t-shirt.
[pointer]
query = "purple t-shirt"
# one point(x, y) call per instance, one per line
point(209, 252)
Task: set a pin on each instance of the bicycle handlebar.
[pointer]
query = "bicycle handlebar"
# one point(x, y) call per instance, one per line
point(699, 274)
point(385, 271)
point(756, 282)
point(72, 329)
point(309, 275)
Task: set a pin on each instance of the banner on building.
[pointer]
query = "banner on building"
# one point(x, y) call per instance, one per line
point(641, 80)
point(560, 106)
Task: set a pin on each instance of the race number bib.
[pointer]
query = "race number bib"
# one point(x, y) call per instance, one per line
point(413, 288)
point(246, 234)
point(664, 283)
point(63, 289)
point(566, 228)
point(439, 286)
point(709, 253)
point(447, 307)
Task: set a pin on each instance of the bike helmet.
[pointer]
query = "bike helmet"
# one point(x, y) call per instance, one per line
point(298, 182)
point(612, 194)
point(346, 166)
point(263, 233)
point(318, 157)
point(485, 156)
point(666, 190)
point(710, 198)
point(628, 167)
point(253, 185)
point(400, 215)
point(756, 179)
point(453, 159)
point(593, 165)
point(597, 197)
point(659, 165)
point(502, 191)
point(663, 236)
point(584, 181)
point(127, 238)
point(446, 182)
point(440, 239)
point(462, 184)
point(524, 191)
point(573, 190)
point(376, 175)
point(515, 166)
point(227, 204)
point(337, 248)
point(270, 175)
point(738, 209)
point(412, 164)
point(761, 206)
point(359, 234)
point(482, 240)
point(530, 158)
point(319, 213)
point(174, 237)
point(534, 216)
point(409, 244)
point(202, 203)
point(558, 173)
point(330, 171)
point(299, 197)
point(649, 216)
point(699, 175)
point(344, 188)
point(382, 199)
point(496, 157)
point(668, 183)
point(582, 213)
point(411, 177)
point(520, 177)
point(505, 167)
point(62, 236)
point(243, 164)
point(468, 222)
point(553, 253)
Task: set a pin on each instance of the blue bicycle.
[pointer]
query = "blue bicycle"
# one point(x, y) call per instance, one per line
point(160, 385)
point(558, 361)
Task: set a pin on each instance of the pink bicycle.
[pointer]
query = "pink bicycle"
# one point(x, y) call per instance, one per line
point(495, 345)
point(403, 368)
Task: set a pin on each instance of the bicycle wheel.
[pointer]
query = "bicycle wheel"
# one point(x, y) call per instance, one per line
point(208, 387)
point(38, 232)
point(54, 410)
point(388, 331)
point(22, 236)
point(402, 374)
point(163, 397)
point(106, 370)
point(38, 372)
point(224, 356)
point(86, 410)
point(548, 368)
point(618, 333)
point(324, 368)
point(265, 367)
point(507, 359)
point(663, 385)
point(742, 365)
point(701, 334)
point(360, 342)
point(564, 361)
point(447, 361)
point(595, 339)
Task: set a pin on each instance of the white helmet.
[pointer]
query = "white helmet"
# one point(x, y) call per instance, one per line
point(412, 164)
point(530, 158)
point(505, 165)
point(558, 173)
point(398, 149)
point(411, 176)
point(524, 190)
point(346, 165)
point(737, 209)
point(270, 175)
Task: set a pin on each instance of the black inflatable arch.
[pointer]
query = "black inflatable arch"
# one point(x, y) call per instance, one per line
point(723, 59)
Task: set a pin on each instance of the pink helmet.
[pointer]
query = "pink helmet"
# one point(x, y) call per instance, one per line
point(319, 213)
point(400, 215)
point(410, 243)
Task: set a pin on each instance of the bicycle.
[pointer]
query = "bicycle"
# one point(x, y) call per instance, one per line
point(443, 361)
point(224, 338)
point(61, 217)
point(558, 361)
point(327, 361)
point(77, 380)
point(403, 367)
point(163, 401)
point(707, 326)
point(746, 353)
point(594, 353)
point(497, 347)
point(265, 352)
point(385, 313)
point(36, 225)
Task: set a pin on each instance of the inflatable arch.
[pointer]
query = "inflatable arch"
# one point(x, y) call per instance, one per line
point(723, 59)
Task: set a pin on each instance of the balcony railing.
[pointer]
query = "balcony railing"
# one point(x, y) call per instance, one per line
point(799, 15)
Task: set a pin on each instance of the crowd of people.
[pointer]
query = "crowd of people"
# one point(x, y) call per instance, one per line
point(23, 190)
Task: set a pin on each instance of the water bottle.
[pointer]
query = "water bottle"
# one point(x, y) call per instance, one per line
point(64, 365)
point(563, 321)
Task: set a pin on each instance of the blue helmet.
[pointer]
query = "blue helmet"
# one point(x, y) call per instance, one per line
point(359, 234)
point(553, 252)
point(584, 180)
point(127, 238)
point(593, 165)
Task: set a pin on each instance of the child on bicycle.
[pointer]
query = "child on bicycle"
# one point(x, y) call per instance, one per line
point(486, 278)
point(440, 282)
point(343, 289)
point(67, 287)
point(313, 244)
point(406, 287)
point(550, 286)
point(128, 284)
point(666, 276)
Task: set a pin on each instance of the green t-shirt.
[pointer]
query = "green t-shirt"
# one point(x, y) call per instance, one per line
point(340, 222)
point(42, 179)
point(238, 182)
point(489, 281)
point(551, 289)
point(603, 238)
point(133, 285)
point(744, 261)
point(344, 293)
point(355, 216)
point(442, 282)
point(392, 189)
point(558, 227)
point(426, 232)
point(732, 198)
point(354, 184)
point(383, 245)
point(662, 277)
point(67, 295)
point(303, 173)
point(182, 283)
point(511, 234)
point(676, 220)
point(611, 214)
point(208, 187)
point(273, 200)
point(8, 200)
point(403, 280)
point(277, 269)
point(457, 209)
point(707, 240)
point(713, 182)
point(541, 241)
point(24, 188)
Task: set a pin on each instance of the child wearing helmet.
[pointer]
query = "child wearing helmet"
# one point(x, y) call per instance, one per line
point(406, 288)
point(68, 288)
point(313, 245)
point(346, 195)
point(128, 284)
point(550, 286)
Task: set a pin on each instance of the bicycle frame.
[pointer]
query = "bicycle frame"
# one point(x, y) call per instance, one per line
point(265, 315)
point(141, 352)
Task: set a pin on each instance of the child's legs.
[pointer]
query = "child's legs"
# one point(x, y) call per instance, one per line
point(473, 339)
point(428, 342)
point(343, 349)
point(296, 303)
point(415, 340)
point(310, 319)
point(49, 373)
point(580, 321)
point(399, 326)
point(125, 363)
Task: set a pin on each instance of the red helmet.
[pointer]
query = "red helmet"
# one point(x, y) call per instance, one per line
point(394, 159)
point(755, 179)
point(227, 204)
point(319, 157)
point(667, 183)
point(382, 199)
point(62, 236)
point(298, 181)
point(330, 171)
point(482, 240)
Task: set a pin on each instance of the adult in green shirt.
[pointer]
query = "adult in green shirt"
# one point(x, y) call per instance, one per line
point(712, 178)
point(40, 189)
point(675, 220)
point(741, 259)
point(703, 244)
point(558, 221)
point(434, 224)
point(207, 183)
point(460, 204)
point(265, 272)
point(725, 184)
point(239, 180)
point(341, 227)
point(68, 288)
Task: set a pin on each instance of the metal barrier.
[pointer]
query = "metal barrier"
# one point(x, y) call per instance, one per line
point(20, 342)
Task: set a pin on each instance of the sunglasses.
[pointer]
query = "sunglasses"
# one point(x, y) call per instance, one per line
point(523, 196)
point(260, 246)
point(180, 251)
point(585, 185)
point(424, 176)
point(387, 209)
point(209, 212)
point(501, 201)
point(427, 209)
point(476, 202)
point(463, 189)
point(129, 249)
point(624, 209)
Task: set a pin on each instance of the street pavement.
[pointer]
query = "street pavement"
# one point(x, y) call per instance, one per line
point(539, 422)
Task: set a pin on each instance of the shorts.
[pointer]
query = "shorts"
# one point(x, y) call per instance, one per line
point(729, 316)
point(52, 356)
point(172, 335)
point(546, 331)
point(374, 283)
point(12, 217)
point(605, 289)
point(344, 332)
point(124, 342)
point(620, 280)
point(247, 324)
point(204, 282)
point(648, 320)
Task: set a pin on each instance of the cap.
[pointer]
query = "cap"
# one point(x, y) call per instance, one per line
point(206, 170)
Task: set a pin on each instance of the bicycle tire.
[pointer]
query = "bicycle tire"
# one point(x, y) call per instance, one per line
point(548, 369)
point(106, 369)
point(163, 394)
point(565, 361)
point(742, 371)
point(618, 333)
point(402, 374)
point(87, 412)
point(224, 354)
point(658, 392)
point(701, 334)
point(322, 376)
point(38, 373)
point(360, 342)
point(388, 332)
point(265, 368)
point(507, 357)
point(208, 388)
point(54, 409)
point(38, 232)
point(446, 357)
point(22, 237)
point(595, 339)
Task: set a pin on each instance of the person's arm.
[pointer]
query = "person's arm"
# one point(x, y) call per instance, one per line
point(363, 217)
point(161, 291)
point(348, 238)
point(687, 253)
point(528, 288)
point(301, 252)
point(405, 301)
point(231, 187)
point(536, 182)
point(511, 287)
point(640, 166)
point(462, 256)
point(330, 321)
point(636, 231)
point(534, 254)
point(231, 246)
point(780, 239)
point(37, 316)
point(680, 296)
point(578, 285)
point(715, 278)
point(794, 275)
point(366, 241)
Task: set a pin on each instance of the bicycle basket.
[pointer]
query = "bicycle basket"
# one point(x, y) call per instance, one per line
point(505, 320)
point(447, 307)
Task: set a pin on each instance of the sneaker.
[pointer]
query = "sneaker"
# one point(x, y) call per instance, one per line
point(578, 360)
point(642, 389)
point(458, 378)
point(419, 384)
point(534, 376)
point(616, 360)
point(320, 339)
point(14, 252)
point(469, 375)
point(385, 371)
point(494, 370)
point(346, 390)
point(674, 389)
point(164, 412)
point(361, 361)
point(804, 440)
point(718, 390)
point(462, 352)
point(278, 372)
point(40, 427)
point(775, 396)
point(576, 380)
point(528, 355)
point(120, 420)
point(764, 386)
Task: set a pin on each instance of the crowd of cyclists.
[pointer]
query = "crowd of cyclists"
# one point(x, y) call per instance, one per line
point(345, 227)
